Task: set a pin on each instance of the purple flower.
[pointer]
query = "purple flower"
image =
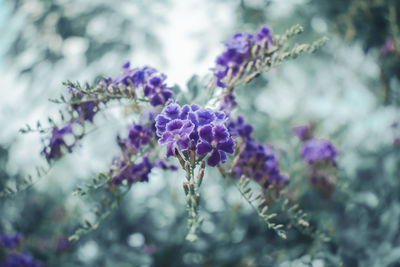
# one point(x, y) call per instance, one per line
point(86, 110)
point(152, 82)
point(217, 140)
point(139, 135)
point(238, 52)
point(10, 241)
point(240, 43)
point(198, 116)
point(131, 172)
point(302, 132)
point(20, 260)
point(177, 132)
point(240, 128)
point(264, 33)
point(53, 150)
point(141, 171)
point(163, 164)
point(156, 91)
point(255, 160)
point(317, 150)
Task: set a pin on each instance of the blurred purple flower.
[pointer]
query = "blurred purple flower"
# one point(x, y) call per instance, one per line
point(10, 241)
point(264, 33)
point(139, 135)
point(20, 260)
point(53, 149)
point(302, 132)
point(388, 46)
point(318, 149)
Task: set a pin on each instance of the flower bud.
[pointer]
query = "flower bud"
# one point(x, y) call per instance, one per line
point(186, 188)
point(179, 157)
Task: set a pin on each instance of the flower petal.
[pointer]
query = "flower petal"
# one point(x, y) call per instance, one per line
point(161, 123)
point(170, 149)
point(183, 143)
point(205, 116)
point(214, 159)
point(206, 133)
point(157, 100)
point(174, 125)
point(172, 111)
point(203, 148)
point(227, 146)
point(220, 133)
point(166, 137)
point(187, 128)
point(223, 156)
point(184, 112)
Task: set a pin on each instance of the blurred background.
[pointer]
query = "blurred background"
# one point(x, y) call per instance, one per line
point(350, 89)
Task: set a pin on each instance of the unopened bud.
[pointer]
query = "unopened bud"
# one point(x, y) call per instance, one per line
point(179, 157)
point(200, 177)
point(187, 167)
point(203, 165)
point(186, 188)
point(192, 156)
point(191, 186)
point(254, 51)
point(249, 66)
point(262, 203)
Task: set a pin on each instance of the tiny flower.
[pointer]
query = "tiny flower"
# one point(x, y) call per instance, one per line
point(318, 149)
point(302, 132)
point(388, 46)
point(86, 110)
point(216, 140)
point(53, 150)
point(139, 135)
point(264, 33)
point(140, 172)
point(177, 132)
point(240, 128)
point(156, 91)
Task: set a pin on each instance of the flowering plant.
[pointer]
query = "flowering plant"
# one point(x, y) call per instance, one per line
point(201, 134)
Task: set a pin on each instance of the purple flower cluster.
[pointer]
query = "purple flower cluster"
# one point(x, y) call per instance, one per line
point(20, 260)
point(10, 241)
point(132, 172)
point(124, 169)
point(255, 160)
point(315, 150)
point(147, 78)
point(238, 52)
point(194, 128)
point(56, 142)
